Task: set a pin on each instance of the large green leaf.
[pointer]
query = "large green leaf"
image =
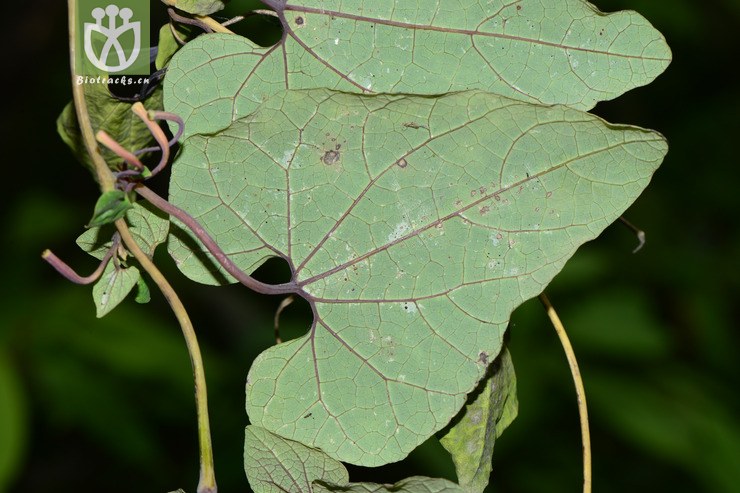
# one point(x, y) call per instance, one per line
point(541, 51)
point(470, 441)
point(274, 464)
point(413, 226)
point(414, 484)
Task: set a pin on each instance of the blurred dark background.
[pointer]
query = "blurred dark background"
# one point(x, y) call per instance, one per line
point(107, 405)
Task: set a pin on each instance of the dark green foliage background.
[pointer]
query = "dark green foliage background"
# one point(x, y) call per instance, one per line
point(108, 406)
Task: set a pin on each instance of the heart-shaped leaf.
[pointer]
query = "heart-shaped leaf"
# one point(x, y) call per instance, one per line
point(274, 464)
point(560, 51)
point(413, 226)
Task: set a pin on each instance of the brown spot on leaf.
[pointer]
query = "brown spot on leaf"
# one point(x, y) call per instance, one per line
point(548, 195)
point(331, 157)
point(483, 357)
point(402, 163)
point(299, 21)
point(484, 210)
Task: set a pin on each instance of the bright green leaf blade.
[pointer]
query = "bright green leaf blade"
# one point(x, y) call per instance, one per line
point(109, 114)
point(112, 287)
point(415, 484)
point(198, 7)
point(540, 51)
point(110, 207)
point(166, 47)
point(148, 226)
point(143, 295)
point(274, 464)
point(414, 226)
point(470, 441)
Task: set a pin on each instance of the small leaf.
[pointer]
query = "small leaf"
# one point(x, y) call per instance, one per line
point(197, 7)
point(109, 114)
point(414, 484)
point(114, 285)
point(413, 227)
point(143, 295)
point(470, 441)
point(539, 51)
point(274, 464)
point(148, 225)
point(168, 45)
point(110, 207)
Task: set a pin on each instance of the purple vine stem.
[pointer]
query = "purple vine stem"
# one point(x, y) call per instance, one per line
point(70, 274)
point(213, 248)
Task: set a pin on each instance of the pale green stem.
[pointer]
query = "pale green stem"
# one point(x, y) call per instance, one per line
point(580, 390)
point(207, 483)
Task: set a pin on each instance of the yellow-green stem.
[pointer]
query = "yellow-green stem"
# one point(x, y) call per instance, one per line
point(207, 483)
point(580, 390)
point(106, 180)
point(213, 24)
point(102, 173)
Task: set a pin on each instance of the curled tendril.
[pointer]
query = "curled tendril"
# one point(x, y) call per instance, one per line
point(128, 178)
point(70, 274)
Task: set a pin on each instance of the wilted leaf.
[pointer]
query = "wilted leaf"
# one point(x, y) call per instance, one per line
point(540, 51)
point(413, 226)
point(470, 441)
point(274, 464)
point(109, 114)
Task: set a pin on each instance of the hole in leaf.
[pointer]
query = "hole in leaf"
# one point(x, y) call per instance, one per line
point(274, 271)
point(265, 30)
point(295, 319)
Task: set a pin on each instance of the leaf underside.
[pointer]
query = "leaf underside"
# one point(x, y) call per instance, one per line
point(414, 484)
point(413, 226)
point(274, 464)
point(539, 51)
